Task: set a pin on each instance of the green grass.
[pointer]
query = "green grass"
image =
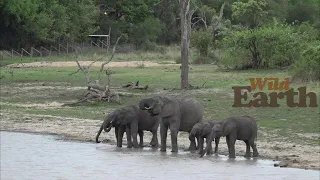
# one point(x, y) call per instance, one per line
point(216, 86)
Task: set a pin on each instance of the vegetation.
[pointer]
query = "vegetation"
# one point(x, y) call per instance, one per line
point(247, 33)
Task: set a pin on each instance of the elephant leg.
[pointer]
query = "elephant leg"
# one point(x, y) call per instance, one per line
point(247, 154)
point(134, 134)
point(254, 148)
point(200, 142)
point(232, 141)
point(209, 144)
point(174, 138)
point(120, 135)
point(163, 134)
point(116, 129)
point(217, 143)
point(129, 139)
point(141, 138)
point(154, 141)
point(228, 144)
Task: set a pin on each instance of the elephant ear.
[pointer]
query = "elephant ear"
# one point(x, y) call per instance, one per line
point(168, 110)
point(128, 115)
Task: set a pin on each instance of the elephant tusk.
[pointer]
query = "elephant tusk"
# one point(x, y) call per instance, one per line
point(147, 108)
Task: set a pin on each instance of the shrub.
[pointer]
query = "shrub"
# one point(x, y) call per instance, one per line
point(201, 40)
point(307, 68)
point(212, 58)
point(145, 33)
point(271, 46)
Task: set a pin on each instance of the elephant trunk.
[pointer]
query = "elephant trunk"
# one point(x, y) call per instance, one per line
point(192, 136)
point(106, 126)
point(99, 132)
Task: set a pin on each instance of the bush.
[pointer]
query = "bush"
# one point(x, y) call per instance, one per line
point(201, 40)
point(144, 34)
point(212, 58)
point(178, 60)
point(271, 46)
point(307, 68)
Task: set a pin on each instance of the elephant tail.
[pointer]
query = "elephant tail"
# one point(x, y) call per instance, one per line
point(99, 132)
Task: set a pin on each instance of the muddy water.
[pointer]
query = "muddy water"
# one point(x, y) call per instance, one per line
point(30, 156)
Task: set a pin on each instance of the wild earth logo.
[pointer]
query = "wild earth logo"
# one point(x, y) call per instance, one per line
point(262, 100)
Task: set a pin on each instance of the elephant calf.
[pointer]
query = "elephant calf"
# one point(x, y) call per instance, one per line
point(236, 128)
point(132, 120)
point(203, 130)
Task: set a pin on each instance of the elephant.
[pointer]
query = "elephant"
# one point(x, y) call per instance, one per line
point(132, 120)
point(178, 114)
point(236, 128)
point(203, 130)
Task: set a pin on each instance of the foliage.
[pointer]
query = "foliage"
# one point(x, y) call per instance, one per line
point(146, 32)
point(271, 46)
point(302, 11)
point(201, 40)
point(36, 22)
point(251, 13)
point(307, 68)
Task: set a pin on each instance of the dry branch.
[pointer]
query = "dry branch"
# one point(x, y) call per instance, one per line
point(97, 91)
point(112, 55)
point(131, 85)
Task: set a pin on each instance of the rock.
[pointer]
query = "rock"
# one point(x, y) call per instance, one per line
point(295, 161)
point(283, 164)
point(294, 146)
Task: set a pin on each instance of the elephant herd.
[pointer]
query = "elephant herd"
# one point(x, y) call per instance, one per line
point(179, 114)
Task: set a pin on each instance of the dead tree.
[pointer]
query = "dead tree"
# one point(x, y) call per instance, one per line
point(95, 87)
point(184, 12)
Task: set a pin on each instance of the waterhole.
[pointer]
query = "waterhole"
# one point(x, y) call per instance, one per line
point(33, 156)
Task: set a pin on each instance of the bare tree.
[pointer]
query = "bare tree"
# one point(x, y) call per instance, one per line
point(184, 5)
point(96, 89)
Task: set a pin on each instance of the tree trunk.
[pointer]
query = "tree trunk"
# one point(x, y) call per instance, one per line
point(184, 5)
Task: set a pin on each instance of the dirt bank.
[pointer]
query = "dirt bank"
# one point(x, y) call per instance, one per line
point(293, 155)
point(96, 64)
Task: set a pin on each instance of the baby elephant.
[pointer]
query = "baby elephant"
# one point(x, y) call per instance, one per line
point(236, 128)
point(203, 130)
point(133, 121)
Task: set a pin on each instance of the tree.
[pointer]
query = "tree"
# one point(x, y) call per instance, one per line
point(184, 13)
point(276, 45)
point(251, 13)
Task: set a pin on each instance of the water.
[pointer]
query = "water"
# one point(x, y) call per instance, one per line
point(30, 156)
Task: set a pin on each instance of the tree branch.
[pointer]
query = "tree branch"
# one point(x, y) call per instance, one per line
point(112, 55)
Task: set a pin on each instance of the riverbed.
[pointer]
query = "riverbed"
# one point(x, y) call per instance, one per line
point(35, 156)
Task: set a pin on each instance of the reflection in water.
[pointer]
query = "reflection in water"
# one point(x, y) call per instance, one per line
point(27, 156)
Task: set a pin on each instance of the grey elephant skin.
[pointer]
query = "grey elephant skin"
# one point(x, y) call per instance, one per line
point(236, 128)
point(133, 121)
point(201, 131)
point(178, 114)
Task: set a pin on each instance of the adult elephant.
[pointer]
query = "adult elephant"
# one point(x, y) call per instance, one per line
point(178, 114)
point(133, 121)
